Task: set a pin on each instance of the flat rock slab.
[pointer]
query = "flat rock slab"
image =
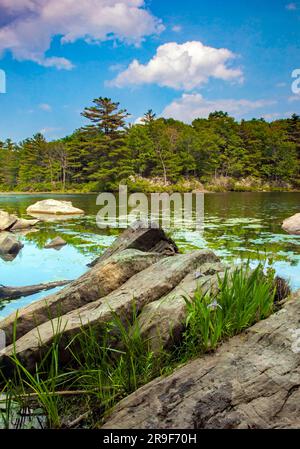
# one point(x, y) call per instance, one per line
point(251, 381)
point(101, 280)
point(141, 289)
point(54, 207)
point(22, 224)
point(163, 321)
point(292, 224)
point(96, 283)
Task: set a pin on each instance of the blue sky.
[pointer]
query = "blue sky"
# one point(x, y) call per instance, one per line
point(182, 59)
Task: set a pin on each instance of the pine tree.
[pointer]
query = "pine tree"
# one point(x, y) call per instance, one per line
point(149, 116)
point(32, 168)
point(9, 164)
point(111, 160)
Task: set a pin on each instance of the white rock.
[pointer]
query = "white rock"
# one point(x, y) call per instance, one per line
point(54, 207)
point(292, 224)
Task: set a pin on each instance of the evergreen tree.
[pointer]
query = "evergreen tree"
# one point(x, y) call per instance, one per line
point(111, 160)
point(106, 151)
point(32, 168)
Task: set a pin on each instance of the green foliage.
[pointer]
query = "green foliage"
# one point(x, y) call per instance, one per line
point(217, 151)
point(244, 297)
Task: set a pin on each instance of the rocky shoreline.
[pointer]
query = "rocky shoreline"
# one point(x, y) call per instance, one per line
point(252, 380)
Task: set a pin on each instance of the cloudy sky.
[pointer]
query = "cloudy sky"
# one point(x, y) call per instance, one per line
point(182, 59)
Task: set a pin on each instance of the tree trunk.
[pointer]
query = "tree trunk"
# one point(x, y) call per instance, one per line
point(17, 292)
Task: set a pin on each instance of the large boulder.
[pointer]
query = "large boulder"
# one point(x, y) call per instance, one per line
point(53, 207)
point(9, 244)
point(6, 220)
point(251, 381)
point(133, 251)
point(292, 224)
point(138, 236)
point(144, 287)
point(91, 286)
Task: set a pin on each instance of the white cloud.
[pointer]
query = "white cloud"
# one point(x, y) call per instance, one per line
point(30, 25)
point(45, 107)
point(191, 106)
point(181, 66)
point(291, 6)
point(139, 121)
point(49, 130)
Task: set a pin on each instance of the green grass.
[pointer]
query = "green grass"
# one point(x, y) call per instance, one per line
point(108, 363)
point(244, 297)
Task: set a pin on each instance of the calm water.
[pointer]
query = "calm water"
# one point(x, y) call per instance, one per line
point(237, 225)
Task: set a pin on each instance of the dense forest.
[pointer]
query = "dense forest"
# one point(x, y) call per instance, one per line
point(156, 154)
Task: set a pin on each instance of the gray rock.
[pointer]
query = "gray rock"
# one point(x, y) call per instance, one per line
point(58, 242)
point(22, 224)
point(6, 220)
point(292, 224)
point(163, 321)
point(9, 244)
point(131, 253)
point(146, 286)
point(98, 282)
point(144, 239)
point(251, 381)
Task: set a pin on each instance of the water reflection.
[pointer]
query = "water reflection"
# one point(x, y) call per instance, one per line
point(236, 226)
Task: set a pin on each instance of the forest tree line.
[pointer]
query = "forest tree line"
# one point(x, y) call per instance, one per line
point(109, 151)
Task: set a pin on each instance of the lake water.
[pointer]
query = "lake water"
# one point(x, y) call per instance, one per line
point(236, 226)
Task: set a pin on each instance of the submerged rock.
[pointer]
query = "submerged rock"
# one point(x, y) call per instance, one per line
point(53, 207)
point(292, 224)
point(56, 243)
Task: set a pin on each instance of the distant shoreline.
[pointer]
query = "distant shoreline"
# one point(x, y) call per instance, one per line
point(48, 193)
point(96, 193)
